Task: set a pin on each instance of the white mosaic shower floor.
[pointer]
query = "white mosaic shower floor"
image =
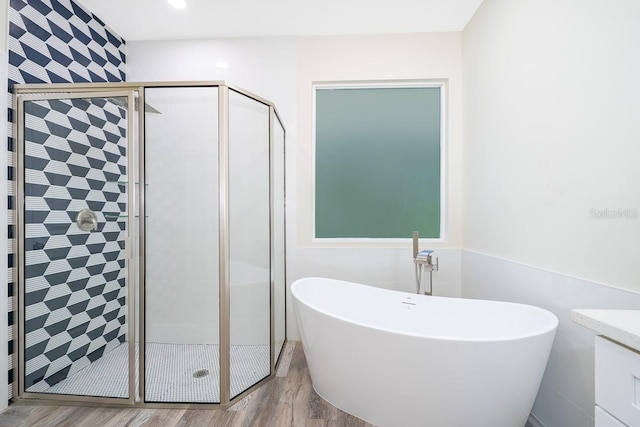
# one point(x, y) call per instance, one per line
point(169, 373)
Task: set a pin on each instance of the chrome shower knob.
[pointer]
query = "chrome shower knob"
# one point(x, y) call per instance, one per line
point(87, 220)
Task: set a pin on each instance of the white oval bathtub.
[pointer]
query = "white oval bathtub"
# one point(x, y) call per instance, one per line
point(400, 359)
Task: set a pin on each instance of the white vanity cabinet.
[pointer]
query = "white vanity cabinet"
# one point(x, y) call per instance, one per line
point(617, 365)
point(617, 382)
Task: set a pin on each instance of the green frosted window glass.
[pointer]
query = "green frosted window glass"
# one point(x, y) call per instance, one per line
point(377, 169)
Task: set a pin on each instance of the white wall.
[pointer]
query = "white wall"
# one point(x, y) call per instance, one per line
point(376, 57)
point(264, 66)
point(551, 133)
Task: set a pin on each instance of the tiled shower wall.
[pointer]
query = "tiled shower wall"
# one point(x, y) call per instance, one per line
point(54, 41)
point(75, 281)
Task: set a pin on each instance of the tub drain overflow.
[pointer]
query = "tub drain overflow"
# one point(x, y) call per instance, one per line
point(200, 373)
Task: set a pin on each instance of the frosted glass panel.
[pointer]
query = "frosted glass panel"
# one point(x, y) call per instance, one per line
point(249, 241)
point(377, 162)
point(182, 291)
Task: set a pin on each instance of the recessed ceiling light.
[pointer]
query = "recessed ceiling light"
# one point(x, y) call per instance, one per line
point(222, 64)
point(178, 4)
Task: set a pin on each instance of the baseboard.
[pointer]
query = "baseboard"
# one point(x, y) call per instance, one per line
point(533, 422)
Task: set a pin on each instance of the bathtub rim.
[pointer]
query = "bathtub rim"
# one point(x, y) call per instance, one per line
point(546, 329)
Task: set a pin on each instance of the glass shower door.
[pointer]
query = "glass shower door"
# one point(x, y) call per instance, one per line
point(181, 291)
point(75, 201)
point(249, 242)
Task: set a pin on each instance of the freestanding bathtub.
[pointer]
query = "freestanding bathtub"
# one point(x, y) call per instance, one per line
point(401, 359)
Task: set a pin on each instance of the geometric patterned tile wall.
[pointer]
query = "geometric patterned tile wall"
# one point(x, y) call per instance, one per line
point(75, 281)
point(54, 41)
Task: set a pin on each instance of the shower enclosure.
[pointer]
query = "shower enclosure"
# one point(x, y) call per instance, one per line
point(151, 242)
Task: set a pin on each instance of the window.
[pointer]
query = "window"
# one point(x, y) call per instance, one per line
point(378, 152)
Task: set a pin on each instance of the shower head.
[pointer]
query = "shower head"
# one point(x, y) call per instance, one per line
point(122, 102)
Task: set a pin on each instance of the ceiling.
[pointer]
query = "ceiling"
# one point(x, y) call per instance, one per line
point(156, 20)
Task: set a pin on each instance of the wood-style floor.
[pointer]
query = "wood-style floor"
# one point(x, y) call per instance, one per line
point(286, 400)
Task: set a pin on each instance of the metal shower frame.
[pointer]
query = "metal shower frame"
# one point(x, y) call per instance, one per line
point(135, 91)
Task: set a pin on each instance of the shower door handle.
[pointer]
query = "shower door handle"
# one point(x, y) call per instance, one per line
point(87, 220)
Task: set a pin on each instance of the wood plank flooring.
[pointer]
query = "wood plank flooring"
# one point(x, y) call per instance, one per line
point(286, 400)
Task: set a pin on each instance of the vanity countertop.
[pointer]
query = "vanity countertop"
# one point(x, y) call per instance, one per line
point(622, 326)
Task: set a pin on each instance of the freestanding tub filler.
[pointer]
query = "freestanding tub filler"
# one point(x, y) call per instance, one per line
point(391, 357)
